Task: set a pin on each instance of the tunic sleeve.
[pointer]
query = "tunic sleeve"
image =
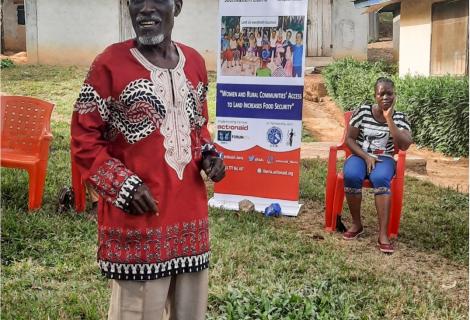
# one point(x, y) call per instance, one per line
point(89, 145)
point(208, 147)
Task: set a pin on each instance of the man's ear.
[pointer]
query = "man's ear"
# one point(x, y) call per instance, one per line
point(178, 7)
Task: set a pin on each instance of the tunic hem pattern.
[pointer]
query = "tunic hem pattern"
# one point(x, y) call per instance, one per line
point(153, 271)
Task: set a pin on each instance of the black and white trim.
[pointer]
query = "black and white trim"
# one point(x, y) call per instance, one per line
point(152, 271)
point(349, 190)
point(126, 194)
point(381, 190)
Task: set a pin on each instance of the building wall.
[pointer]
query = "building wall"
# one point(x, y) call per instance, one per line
point(14, 35)
point(350, 30)
point(396, 37)
point(415, 37)
point(197, 26)
point(73, 32)
point(69, 31)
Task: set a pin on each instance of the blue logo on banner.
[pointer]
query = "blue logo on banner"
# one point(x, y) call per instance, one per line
point(224, 135)
point(274, 135)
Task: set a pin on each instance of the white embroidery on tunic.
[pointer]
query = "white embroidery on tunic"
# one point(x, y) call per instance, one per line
point(171, 86)
point(168, 101)
point(88, 100)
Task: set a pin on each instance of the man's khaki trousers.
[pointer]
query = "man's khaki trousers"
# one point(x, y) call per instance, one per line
point(180, 297)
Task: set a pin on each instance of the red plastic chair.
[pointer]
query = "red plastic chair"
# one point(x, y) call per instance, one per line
point(25, 139)
point(78, 188)
point(334, 193)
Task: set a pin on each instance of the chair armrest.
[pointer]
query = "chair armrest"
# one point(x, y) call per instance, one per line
point(332, 159)
point(44, 146)
point(48, 136)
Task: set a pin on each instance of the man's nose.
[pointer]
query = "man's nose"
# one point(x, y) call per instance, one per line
point(148, 6)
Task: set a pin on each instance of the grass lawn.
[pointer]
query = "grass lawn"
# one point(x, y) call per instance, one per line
point(284, 268)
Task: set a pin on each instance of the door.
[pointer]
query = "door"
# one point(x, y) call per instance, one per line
point(449, 40)
point(319, 41)
point(127, 31)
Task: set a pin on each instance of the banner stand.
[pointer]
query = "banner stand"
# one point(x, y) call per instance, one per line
point(260, 83)
point(230, 202)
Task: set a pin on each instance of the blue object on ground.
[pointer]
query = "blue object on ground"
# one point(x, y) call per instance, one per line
point(274, 210)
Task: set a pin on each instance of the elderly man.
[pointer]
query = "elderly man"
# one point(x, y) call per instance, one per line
point(140, 138)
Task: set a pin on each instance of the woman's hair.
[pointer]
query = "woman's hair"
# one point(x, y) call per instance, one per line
point(384, 80)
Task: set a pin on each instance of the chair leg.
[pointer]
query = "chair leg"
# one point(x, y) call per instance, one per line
point(31, 188)
point(78, 189)
point(37, 180)
point(329, 198)
point(338, 201)
point(395, 208)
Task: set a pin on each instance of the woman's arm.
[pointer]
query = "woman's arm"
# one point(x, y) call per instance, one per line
point(401, 137)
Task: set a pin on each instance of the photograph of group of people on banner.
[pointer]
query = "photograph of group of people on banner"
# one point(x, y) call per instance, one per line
point(262, 51)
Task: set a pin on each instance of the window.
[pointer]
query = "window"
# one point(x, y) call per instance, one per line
point(20, 15)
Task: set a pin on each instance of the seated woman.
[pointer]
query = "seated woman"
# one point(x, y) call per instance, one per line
point(372, 134)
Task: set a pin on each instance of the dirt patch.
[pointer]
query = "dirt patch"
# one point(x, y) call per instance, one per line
point(17, 58)
point(382, 50)
point(323, 120)
point(443, 171)
point(314, 87)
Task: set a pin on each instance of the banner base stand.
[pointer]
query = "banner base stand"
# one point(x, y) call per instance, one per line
point(230, 202)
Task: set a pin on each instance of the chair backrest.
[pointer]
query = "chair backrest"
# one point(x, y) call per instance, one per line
point(347, 118)
point(24, 122)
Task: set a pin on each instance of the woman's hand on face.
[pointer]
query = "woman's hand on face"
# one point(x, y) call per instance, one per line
point(370, 162)
point(388, 114)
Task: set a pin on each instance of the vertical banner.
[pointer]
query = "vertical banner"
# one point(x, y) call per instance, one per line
point(259, 102)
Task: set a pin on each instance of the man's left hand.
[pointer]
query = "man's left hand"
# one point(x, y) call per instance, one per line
point(214, 167)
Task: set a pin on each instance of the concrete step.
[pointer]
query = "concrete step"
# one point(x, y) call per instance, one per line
point(320, 150)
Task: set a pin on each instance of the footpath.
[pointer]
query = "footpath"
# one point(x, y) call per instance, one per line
point(324, 121)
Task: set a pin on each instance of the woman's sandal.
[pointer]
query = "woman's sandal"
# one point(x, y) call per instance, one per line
point(348, 235)
point(385, 247)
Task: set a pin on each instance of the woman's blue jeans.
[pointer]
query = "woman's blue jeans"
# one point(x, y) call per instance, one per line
point(355, 171)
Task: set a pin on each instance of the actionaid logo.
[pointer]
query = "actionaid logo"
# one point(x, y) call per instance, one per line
point(232, 127)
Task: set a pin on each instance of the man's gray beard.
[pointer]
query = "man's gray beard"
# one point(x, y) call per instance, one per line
point(151, 40)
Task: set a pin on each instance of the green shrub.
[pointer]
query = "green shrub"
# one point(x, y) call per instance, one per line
point(437, 107)
point(348, 81)
point(6, 63)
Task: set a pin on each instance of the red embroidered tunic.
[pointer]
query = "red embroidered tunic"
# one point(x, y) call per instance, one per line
point(135, 123)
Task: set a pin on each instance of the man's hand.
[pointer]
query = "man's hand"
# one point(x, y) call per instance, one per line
point(370, 162)
point(143, 202)
point(214, 167)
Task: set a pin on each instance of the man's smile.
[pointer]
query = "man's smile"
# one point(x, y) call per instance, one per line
point(147, 23)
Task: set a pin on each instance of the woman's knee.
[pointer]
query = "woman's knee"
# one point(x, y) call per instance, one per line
point(354, 175)
point(354, 171)
point(353, 178)
point(381, 183)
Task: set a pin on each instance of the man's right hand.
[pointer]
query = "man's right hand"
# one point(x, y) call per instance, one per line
point(143, 202)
